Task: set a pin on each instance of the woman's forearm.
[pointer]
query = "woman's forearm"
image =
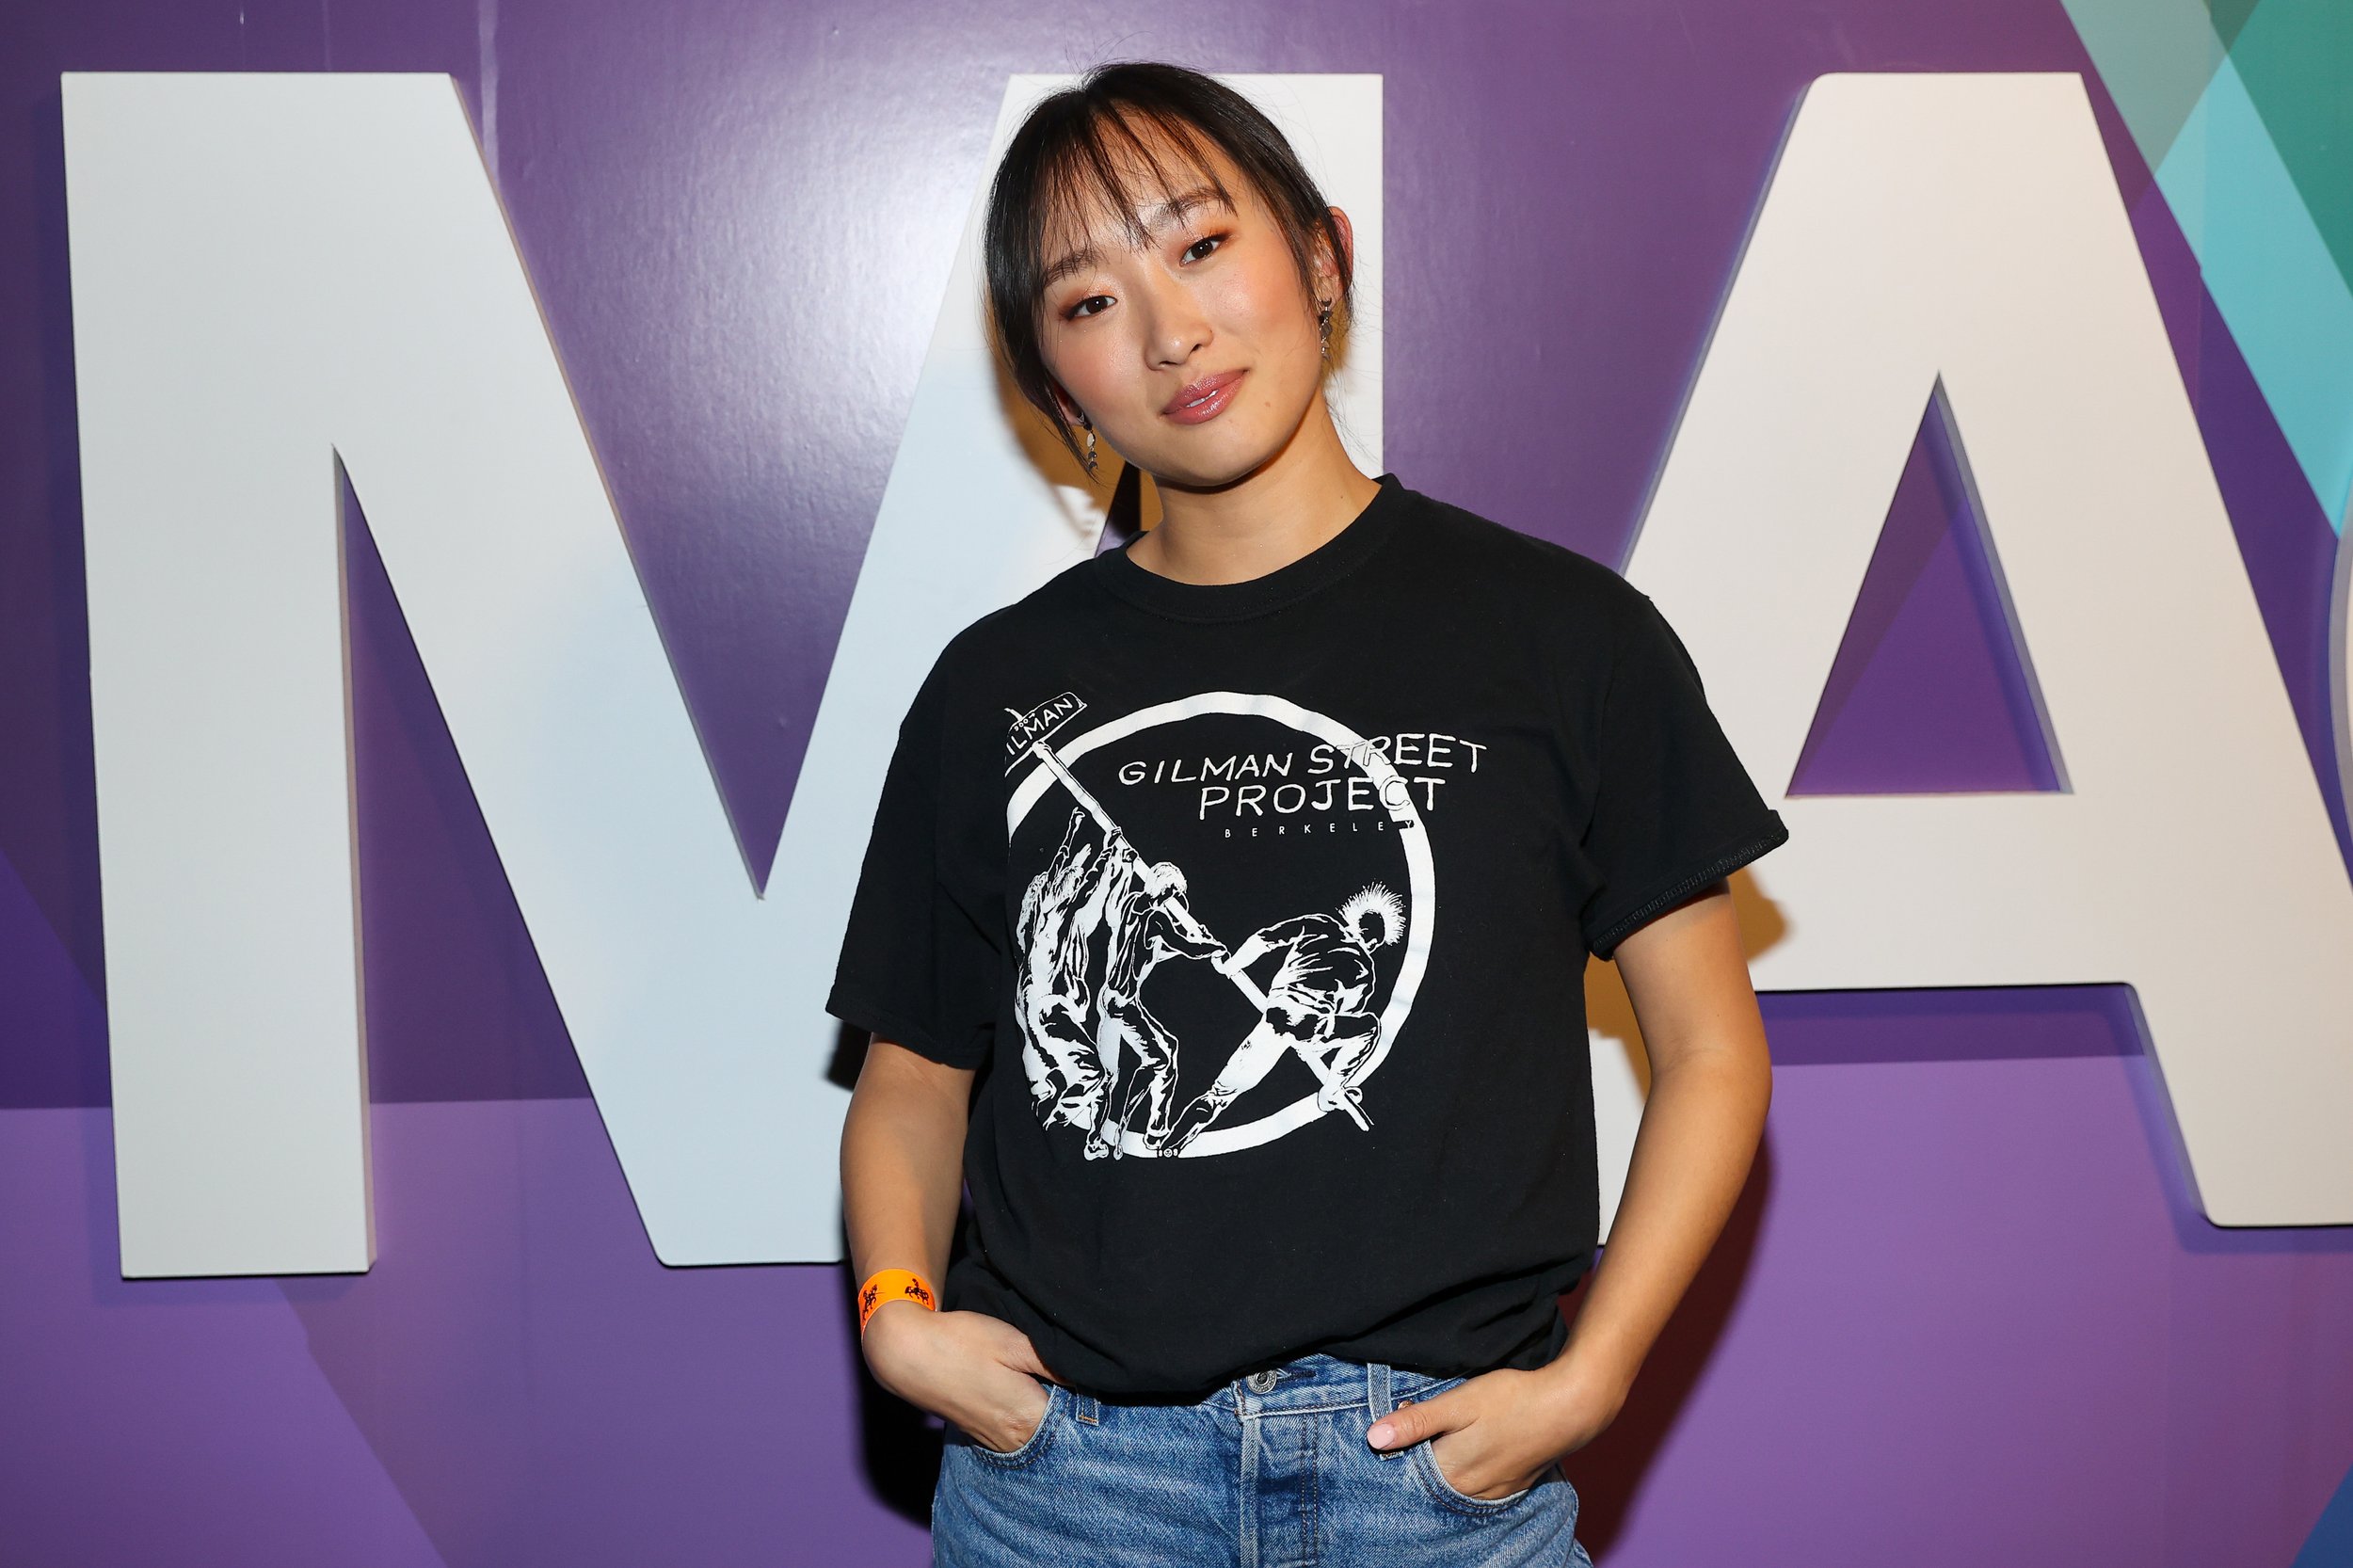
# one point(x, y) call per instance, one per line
point(903, 1162)
point(901, 1184)
point(1692, 1157)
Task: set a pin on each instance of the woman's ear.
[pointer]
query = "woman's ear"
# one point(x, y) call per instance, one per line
point(1348, 249)
point(1071, 413)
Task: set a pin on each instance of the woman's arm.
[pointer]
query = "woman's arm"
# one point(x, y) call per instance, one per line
point(902, 1162)
point(1711, 1078)
point(902, 1182)
point(1710, 1081)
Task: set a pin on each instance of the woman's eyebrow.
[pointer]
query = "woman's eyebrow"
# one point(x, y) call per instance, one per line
point(1076, 261)
point(1177, 206)
point(1167, 212)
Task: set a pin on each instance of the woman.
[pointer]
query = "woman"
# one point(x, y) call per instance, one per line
point(1251, 870)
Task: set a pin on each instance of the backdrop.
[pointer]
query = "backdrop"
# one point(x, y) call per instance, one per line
point(1969, 1306)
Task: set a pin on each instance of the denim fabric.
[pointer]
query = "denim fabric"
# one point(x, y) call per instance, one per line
point(1244, 1479)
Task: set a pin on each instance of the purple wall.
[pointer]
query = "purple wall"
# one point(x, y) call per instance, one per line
point(1967, 1310)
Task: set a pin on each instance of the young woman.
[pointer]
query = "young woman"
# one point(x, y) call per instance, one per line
point(1223, 925)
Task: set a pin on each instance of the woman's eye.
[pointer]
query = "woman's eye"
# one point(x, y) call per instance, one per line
point(1079, 310)
point(1212, 240)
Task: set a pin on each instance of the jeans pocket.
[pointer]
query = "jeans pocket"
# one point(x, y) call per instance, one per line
point(1057, 1399)
point(1426, 1466)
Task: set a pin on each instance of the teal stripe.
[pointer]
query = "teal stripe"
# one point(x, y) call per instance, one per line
point(2297, 59)
point(2272, 278)
point(2154, 56)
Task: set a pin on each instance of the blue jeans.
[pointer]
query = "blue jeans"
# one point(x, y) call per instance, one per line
point(1260, 1473)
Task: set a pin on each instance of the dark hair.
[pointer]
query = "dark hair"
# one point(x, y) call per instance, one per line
point(1070, 151)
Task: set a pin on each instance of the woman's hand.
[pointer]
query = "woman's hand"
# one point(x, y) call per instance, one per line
point(1500, 1431)
point(978, 1372)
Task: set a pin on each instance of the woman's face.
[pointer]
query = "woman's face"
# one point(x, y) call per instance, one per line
point(1197, 355)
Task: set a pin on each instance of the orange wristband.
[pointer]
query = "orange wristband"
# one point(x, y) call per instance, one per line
point(892, 1284)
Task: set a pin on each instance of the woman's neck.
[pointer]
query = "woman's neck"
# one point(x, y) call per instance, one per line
point(1299, 499)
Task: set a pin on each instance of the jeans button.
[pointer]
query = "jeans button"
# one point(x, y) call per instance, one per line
point(1262, 1383)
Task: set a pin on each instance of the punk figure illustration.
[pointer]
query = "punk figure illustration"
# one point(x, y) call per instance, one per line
point(1154, 923)
point(1060, 913)
point(1072, 1027)
point(1319, 1001)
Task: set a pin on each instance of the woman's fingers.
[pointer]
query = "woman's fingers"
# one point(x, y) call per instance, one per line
point(1016, 1404)
point(1412, 1422)
point(1024, 1359)
point(1473, 1482)
point(1016, 1349)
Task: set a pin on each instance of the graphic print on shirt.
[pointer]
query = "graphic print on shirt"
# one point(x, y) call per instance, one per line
point(1226, 912)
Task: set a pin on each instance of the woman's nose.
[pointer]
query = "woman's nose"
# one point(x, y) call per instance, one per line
point(1175, 327)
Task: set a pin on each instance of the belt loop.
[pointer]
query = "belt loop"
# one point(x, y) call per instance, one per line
point(1381, 1388)
point(1090, 1410)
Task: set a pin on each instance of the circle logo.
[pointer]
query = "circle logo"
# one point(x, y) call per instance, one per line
point(1216, 878)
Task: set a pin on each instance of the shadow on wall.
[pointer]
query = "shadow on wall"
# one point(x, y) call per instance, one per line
point(1609, 1471)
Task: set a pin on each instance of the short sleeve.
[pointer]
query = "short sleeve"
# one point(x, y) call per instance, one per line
point(1673, 809)
point(921, 956)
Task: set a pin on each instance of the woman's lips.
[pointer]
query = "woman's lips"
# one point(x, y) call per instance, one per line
point(1204, 399)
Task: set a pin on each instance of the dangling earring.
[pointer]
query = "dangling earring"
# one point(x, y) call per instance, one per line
point(1323, 329)
point(1090, 430)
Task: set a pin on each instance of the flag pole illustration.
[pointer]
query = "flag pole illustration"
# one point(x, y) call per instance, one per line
point(1050, 716)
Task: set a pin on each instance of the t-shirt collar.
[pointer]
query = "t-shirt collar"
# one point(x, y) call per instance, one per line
point(1286, 585)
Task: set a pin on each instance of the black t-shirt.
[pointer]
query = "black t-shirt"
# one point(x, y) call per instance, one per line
point(1264, 908)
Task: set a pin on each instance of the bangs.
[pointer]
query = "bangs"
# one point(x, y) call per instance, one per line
point(1100, 164)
